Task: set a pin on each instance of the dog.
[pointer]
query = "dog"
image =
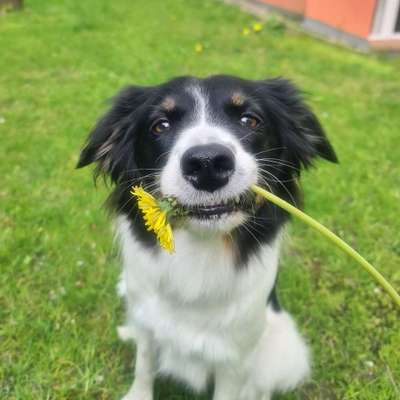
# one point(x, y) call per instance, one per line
point(209, 312)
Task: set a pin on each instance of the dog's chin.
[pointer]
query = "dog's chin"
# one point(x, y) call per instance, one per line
point(221, 216)
point(224, 222)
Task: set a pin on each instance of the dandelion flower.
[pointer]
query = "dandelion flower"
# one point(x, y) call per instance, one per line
point(246, 31)
point(199, 48)
point(155, 215)
point(257, 27)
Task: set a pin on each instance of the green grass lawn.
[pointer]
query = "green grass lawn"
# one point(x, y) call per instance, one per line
point(59, 61)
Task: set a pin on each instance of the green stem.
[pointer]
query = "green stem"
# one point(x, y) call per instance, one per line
point(332, 237)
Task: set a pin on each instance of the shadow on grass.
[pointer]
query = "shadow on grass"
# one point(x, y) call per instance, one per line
point(168, 389)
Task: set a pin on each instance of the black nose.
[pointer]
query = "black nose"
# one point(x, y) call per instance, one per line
point(208, 167)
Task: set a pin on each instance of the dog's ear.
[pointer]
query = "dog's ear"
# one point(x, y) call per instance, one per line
point(299, 130)
point(108, 142)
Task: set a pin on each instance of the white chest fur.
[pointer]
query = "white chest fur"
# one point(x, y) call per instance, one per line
point(205, 317)
point(195, 300)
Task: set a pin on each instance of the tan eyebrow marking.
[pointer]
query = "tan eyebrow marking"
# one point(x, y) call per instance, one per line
point(168, 103)
point(237, 99)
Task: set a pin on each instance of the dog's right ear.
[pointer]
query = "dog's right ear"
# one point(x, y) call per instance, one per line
point(104, 143)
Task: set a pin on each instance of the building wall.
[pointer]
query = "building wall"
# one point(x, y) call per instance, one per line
point(347, 21)
point(292, 6)
point(352, 16)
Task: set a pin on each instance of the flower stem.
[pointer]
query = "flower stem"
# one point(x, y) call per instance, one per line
point(333, 238)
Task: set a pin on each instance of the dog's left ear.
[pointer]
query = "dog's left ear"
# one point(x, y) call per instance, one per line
point(110, 143)
point(299, 130)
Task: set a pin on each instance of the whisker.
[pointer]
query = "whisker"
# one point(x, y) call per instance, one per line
point(279, 162)
point(244, 137)
point(132, 180)
point(126, 203)
point(162, 155)
point(142, 169)
point(244, 226)
point(266, 183)
point(277, 180)
point(271, 149)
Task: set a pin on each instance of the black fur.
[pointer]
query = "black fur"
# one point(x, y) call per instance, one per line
point(127, 151)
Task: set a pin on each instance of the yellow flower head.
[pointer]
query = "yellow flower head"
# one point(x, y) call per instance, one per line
point(155, 217)
point(257, 27)
point(245, 31)
point(199, 48)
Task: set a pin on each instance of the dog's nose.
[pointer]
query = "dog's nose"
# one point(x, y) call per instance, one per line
point(208, 167)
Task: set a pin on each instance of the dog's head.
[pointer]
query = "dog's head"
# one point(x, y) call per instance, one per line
point(205, 142)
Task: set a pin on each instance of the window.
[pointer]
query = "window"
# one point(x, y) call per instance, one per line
point(387, 20)
point(397, 26)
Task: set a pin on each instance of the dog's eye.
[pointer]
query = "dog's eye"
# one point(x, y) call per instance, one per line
point(250, 121)
point(160, 126)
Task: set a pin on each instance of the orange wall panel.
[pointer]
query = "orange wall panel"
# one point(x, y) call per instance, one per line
point(294, 6)
point(351, 16)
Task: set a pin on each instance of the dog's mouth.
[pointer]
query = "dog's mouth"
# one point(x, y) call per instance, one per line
point(218, 210)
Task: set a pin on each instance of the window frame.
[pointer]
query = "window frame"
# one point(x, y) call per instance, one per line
point(384, 23)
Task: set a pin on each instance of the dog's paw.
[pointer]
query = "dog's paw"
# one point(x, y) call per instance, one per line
point(126, 333)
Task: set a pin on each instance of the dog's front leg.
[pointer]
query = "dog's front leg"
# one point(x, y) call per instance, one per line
point(142, 387)
point(231, 385)
point(227, 384)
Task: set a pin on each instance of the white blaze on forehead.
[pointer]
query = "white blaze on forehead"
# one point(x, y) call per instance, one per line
point(202, 130)
point(201, 103)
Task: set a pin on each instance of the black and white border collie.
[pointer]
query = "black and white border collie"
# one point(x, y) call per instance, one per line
point(208, 312)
